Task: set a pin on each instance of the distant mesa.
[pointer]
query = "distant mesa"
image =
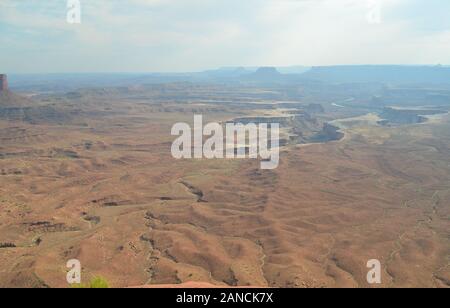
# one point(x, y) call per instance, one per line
point(315, 109)
point(252, 74)
point(3, 82)
point(394, 116)
point(267, 72)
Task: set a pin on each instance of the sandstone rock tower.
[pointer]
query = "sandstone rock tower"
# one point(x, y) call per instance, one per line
point(3, 82)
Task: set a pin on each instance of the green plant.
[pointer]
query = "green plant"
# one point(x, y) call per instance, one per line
point(95, 283)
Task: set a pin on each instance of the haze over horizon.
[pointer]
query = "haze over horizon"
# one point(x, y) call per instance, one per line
point(176, 36)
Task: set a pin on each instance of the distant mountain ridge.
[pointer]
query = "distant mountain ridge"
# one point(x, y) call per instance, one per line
point(380, 73)
point(383, 74)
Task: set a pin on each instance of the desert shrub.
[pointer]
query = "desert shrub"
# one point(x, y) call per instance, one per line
point(99, 283)
point(95, 283)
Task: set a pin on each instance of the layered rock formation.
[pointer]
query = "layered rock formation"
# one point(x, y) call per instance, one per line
point(3, 83)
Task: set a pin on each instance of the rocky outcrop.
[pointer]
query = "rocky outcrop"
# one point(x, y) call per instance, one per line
point(283, 121)
point(14, 107)
point(3, 83)
point(328, 133)
point(265, 74)
point(315, 109)
point(405, 116)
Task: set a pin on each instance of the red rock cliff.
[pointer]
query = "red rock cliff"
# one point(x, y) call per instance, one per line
point(3, 82)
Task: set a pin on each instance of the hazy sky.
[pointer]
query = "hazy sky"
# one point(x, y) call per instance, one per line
point(192, 35)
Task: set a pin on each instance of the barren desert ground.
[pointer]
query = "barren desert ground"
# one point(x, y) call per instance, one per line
point(89, 175)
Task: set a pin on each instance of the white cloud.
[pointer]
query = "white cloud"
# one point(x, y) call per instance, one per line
point(184, 35)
